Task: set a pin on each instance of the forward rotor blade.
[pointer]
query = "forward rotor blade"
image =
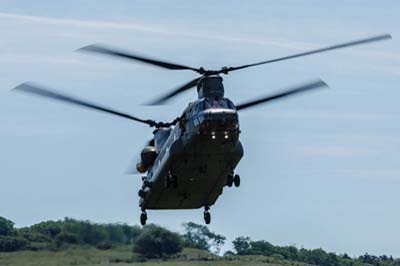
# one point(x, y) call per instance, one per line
point(95, 48)
point(175, 92)
point(303, 88)
point(40, 91)
point(329, 48)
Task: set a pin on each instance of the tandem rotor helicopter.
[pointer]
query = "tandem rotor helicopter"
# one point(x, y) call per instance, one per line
point(191, 159)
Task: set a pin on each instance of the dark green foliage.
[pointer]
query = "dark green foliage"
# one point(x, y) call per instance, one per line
point(12, 243)
point(55, 235)
point(105, 245)
point(199, 236)
point(262, 247)
point(66, 237)
point(6, 227)
point(32, 236)
point(242, 245)
point(48, 228)
point(155, 242)
point(245, 246)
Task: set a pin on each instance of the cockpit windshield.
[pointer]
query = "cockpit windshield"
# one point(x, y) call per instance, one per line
point(217, 103)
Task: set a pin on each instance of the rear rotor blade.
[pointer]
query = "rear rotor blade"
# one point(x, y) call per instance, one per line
point(40, 91)
point(95, 48)
point(329, 48)
point(175, 92)
point(303, 88)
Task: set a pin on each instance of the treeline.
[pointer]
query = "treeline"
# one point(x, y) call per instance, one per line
point(152, 241)
point(245, 246)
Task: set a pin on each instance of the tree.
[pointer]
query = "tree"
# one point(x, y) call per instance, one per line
point(48, 228)
point(155, 242)
point(261, 247)
point(199, 236)
point(242, 245)
point(6, 227)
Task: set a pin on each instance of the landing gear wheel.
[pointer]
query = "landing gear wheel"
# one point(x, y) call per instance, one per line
point(143, 218)
point(236, 180)
point(207, 215)
point(229, 180)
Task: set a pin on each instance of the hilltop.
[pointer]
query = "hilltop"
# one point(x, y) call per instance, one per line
point(75, 242)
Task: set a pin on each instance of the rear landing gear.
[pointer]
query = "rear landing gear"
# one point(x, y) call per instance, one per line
point(207, 215)
point(143, 217)
point(236, 180)
point(229, 180)
point(233, 180)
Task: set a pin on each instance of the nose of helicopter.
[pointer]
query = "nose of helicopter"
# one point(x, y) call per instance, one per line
point(215, 122)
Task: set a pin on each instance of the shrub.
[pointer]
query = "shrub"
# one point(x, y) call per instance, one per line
point(35, 246)
point(48, 228)
point(35, 237)
point(11, 243)
point(68, 238)
point(155, 241)
point(105, 245)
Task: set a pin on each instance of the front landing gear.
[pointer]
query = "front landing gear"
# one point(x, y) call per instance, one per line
point(143, 217)
point(207, 215)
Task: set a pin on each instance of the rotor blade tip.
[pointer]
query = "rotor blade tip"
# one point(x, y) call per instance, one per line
point(323, 83)
point(89, 48)
point(22, 86)
point(154, 103)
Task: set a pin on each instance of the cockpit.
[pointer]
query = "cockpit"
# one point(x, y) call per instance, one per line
point(211, 115)
point(218, 103)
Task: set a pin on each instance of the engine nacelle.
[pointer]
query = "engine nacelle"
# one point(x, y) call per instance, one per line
point(148, 156)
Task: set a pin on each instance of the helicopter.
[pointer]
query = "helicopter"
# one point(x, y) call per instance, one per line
point(190, 160)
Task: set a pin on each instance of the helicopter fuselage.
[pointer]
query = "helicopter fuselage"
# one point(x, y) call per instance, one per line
point(198, 154)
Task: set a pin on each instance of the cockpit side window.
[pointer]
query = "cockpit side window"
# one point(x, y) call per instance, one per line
point(231, 105)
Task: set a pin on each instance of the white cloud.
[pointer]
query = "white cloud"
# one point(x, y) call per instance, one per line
point(192, 34)
point(144, 28)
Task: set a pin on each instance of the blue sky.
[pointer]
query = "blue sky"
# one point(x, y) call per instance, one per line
point(320, 170)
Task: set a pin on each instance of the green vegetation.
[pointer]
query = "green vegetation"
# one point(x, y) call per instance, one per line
point(74, 242)
point(155, 241)
point(200, 237)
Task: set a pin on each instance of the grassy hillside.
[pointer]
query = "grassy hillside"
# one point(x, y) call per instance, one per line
point(123, 255)
point(75, 242)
